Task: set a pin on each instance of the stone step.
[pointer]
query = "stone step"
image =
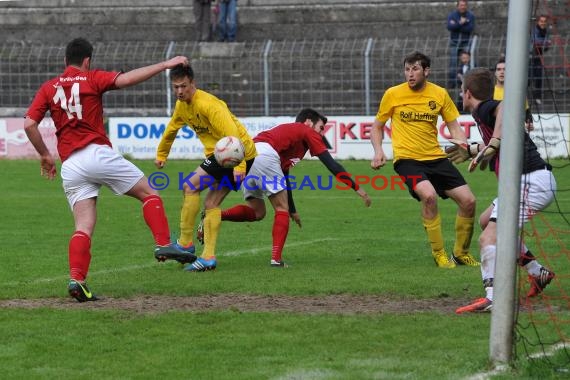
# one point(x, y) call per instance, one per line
point(83, 4)
point(173, 20)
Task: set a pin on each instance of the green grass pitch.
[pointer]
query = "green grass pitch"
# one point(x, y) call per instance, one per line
point(150, 327)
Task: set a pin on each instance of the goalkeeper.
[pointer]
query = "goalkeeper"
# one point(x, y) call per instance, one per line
point(537, 184)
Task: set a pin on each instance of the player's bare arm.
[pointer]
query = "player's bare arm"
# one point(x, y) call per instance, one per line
point(461, 151)
point(456, 131)
point(365, 197)
point(141, 74)
point(342, 175)
point(376, 133)
point(296, 218)
point(290, 202)
point(47, 162)
point(239, 175)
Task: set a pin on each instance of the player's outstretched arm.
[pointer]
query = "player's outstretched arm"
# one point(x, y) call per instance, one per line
point(379, 158)
point(130, 78)
point(461, 151)
point(292, 210)
point(456, 132)
point(163, 150)
point(339, 171)
point(365, 198)
point(46, 160)
point(482, 159)
point(296, 218)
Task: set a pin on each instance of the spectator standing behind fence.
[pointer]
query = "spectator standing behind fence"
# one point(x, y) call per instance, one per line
point(460, 23)
point(540, 43)
point(464, 67)
point(202, 19)
point(227, 20)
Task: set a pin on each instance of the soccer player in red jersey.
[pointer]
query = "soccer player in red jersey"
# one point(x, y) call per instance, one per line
point(74, 100)
point(279, 149)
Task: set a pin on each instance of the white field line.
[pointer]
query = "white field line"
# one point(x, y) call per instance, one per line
point(287, 245)
point(66, 277)
point(503, 367)
point(486, 375)
point(146, 266)
point(551, 351)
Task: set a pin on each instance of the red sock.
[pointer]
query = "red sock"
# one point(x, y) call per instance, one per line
point(155, 218)
point(79, 255)
point(280, 231)
point(239, 213)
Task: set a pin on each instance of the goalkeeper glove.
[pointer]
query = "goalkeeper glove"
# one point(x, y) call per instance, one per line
point(460, 151)
point(482, 159)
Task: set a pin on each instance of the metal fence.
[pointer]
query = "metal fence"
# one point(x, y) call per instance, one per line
point(340, 77)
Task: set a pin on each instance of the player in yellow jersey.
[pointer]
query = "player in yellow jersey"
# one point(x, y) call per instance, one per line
point(211, 119)
point(499, 92)
point(414, 107)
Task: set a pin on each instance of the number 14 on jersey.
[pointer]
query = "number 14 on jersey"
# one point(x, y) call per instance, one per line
point(73, 104)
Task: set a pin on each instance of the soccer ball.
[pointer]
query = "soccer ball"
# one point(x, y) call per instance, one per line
point(229, 151)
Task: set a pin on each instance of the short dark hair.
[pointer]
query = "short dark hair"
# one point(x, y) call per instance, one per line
point(181, 71)
point(77, 50)
point(311, 114)
point(418, 57)
point(479, 82)
point(501, 60)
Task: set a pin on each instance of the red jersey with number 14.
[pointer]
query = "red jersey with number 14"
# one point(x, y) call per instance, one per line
point(75, 102)
point(292, 141)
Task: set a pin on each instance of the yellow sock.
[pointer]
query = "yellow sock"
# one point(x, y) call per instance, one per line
point(212, 224)
point(463, 234)
point(433, 230)
point(190, 208)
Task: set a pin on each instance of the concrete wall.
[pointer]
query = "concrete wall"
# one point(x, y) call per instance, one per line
point(172, 20)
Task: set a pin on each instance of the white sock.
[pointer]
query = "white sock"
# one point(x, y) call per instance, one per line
point(533, 268)
point(488, 254)
point(489, 293)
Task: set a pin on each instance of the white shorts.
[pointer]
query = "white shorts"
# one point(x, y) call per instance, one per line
point(265, 176)
point(537, 192)
point(86, 170)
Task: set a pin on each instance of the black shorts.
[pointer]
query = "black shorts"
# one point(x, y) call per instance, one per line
point(441, 173)
point(223, 176)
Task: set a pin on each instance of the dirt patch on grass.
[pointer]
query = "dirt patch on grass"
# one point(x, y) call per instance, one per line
point(332, 304)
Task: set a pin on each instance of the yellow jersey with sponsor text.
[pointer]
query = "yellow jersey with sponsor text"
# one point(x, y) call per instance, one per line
point(211, 119)
point(413, 117)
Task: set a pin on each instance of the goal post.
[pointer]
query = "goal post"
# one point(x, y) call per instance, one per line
point(508, 234)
